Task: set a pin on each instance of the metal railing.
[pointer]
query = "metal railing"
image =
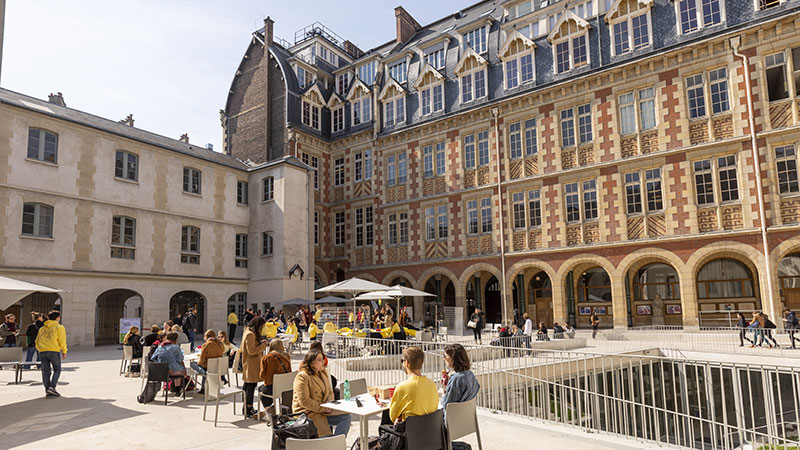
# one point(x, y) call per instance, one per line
point(776, 342)
point(643, 395)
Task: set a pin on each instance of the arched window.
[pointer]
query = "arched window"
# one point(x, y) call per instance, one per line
point(594, 285)
point(724, 278)
point(656, 279)
point(541, 287)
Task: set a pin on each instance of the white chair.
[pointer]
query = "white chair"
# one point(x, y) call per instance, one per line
point(306, 339)
point(462, 420)
point(236, 370)
point(127, 360)
point(281, 383)
point(326, 443)
point(358, 387)
point(328, 339)
point(187, 349)
point(145, 367)
point(217, 368)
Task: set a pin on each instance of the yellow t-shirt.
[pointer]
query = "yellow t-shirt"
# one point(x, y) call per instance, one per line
point(389, 332)
point(291, 329)
point(270, 330)
point(313, 330)
point(232, 319)
point(318, 314)
point(329, 327)
point(417, 396)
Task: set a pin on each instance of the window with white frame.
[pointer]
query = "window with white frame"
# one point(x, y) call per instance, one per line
point(476, 39)
point(584, 123)
point(266, 244)
point(442, 221)
point(304, 77)
point(575, 207)
point(396, 169)
point(433, 157)
point(123, 237)
point(633, 193)
point(567, 128)
point(436, 58)
point(392, 229)
point(359, 217)
point(696, 14)
point(515, 140)
point(486, 215)
point(431, 99)
point(342, 83)
point(531, 146)
point(315, 166)
point(651, 186)
point(631, 31)
point(697, 90)
point(399, 71)
point(473, 149)
point(473, 85)
point(655, 199)
point(518, 62)
point(472, 217)
point(316, 227)
point(786, 161)
point(190, 245)
point(362, 166)
point(362, 110)
point(440, 158)
point(338, 228)
point(403, 228)
point(430, 223)
point(42, 145)
point(534, 208)
point(338, 171)
point(518, 210)
point(726, 174)
point(37, 220)
point(126, 166)
point(366, 72)
point(337, 119)
point(311, 114)
point(241, 251)
point(394, 110)
point(637, 111)
point(268, 189)
point(192, 181)
point(571, 52)
point(241, 192)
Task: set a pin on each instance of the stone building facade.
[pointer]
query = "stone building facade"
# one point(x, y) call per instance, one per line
point(559, 158)
point(133, 224)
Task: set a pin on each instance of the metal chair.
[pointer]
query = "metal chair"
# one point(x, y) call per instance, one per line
point(217, 368)
point(12, 357)
point(427, 432)
point(462, 420)
point(145, 367)
point(326, 443)
point(236, 370)
point(160, 372)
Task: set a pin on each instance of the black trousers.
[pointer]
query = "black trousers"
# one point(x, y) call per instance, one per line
point(476, 333)
point(266, 390)
point(231, 331)
point(249, 393)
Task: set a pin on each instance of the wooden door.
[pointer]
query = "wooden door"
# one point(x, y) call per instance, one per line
point(544, 311)
point(791, 299)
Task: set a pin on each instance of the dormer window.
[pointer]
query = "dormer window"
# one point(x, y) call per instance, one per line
point(398, 72)
point(366, 72)
point(336, 106)
point(630, 25)
point(342, 83)
point(696, 14)
point(393, 98)
point(311, 106)
point(430, 86)
point(471, 72)
point(435, 58)
point(570, 41)
point(360, 98)
point(304, 76)
point(518, 62)
point(476, 39)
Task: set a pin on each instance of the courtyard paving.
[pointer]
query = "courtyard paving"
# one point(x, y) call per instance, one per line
point(98, 408)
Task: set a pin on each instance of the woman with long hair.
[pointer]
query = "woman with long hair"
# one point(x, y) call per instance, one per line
point(253, 346)
point(273, 363)
point(312, 387)
point(133, 339)
point(462, 386)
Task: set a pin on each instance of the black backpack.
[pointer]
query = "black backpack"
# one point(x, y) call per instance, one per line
point(768, 324)
point(149, 392)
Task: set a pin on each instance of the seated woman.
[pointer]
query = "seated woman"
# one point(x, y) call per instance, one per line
point(230, 349)
point(169, 352)
point(292, 329)
point(167, 328)
point(462, 385)
point(312, 387)
point(273, 363)
point(391, 329)
point(212, 348)
point(133, 339)
point(148, 340)
point(182, 339)
point(541, 335)
point(405, 321)
point(313, 330)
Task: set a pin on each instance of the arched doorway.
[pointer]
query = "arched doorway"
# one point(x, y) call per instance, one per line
point(789, 277)
point(594, 295)
point(656, 296)
point(445, 291)
point(112, 306)
point(725, 286)
point(494, 307)
point(237, 303)
point(182, 301)
point(339, 275)
point(541, 297)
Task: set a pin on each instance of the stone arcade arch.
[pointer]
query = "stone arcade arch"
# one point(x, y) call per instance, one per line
point(111, 306)
point(183, 300)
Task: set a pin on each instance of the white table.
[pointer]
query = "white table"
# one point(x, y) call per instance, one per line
point(351, 407)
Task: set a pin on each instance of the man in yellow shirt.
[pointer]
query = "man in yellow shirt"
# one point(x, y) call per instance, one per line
point(318, 313)
point(313, 330)
point(417, 396)
point(51, 342)
point(232, 322)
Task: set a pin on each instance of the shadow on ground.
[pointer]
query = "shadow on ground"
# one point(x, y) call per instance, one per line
point(30, 421)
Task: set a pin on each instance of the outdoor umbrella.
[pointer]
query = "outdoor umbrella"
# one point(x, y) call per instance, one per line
point(330, 299)
point(353, 287)
point(295, 301)
point(396, 292)
point(12, 291)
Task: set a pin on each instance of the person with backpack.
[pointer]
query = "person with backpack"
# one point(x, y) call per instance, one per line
point(769, 326)
point(190, 325)
point(37, 322)
point(791, 325)
point(51, 342)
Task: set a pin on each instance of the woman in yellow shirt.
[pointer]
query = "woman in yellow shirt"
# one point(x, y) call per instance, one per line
point(313, 330)
point(292, 329)
point(270, 329)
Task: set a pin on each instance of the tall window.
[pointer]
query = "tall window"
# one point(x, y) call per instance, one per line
point(652, 189)
point(391, 170)
point(241, 251)
point(644, 101)
point(574, 207)
point(717, 91)
point(315, 166)
point(338, 171)
point(430, 224)
point(396, 169)
point(126, 166)
point(431, 99)
point(338, 228)
point(266, 244)
point(394, 111)
point(631, 32)
point(359, 213)
point(515, 140)
point(776, 76)
point(362, 110)
point(190, 245)
point(718, 80)
point(469, 151)
point(534, 208)
point(427, 161)
point(37, 220)
point(692, 17)
point(342, 83)
point(123, 237)
point(192, 180)
point(703, 182)
point(369, 227)
point(655, 200)
point(358, 167)
point(567, 128)
point(584, 123)
point(337, 119)
point(531, 147)
point(696, 94)
point(311, 115)
point(398, 72)
point(725, 168)
point(304, 77)
point(518, 209)
point(442, 221)
point(42, 145)
point(473, 85)
point(392, 220)
point(241, 192)
point(472, 217)
point(476, 39)
point(728, 185)
point(633, 193)
point(316, 227)
point(269, 189)
point(486, 215)
point(483, 148)
point(403, 228)
point(364, 227)
point(366, 72)
point(519, 70)
point(571, 52)
point(786, 160)
point(435, 58)
point(589, 200)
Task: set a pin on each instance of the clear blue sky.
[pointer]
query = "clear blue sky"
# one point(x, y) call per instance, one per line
point(169, 62)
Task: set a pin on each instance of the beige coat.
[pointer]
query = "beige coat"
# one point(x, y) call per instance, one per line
point(251, 356)
point(310, 391)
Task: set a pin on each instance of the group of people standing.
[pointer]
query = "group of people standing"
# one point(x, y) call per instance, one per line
point(46, 341)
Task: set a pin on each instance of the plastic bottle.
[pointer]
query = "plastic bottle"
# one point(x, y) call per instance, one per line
point(346, 390)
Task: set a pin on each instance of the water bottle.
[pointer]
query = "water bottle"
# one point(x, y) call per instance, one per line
point(346, 390)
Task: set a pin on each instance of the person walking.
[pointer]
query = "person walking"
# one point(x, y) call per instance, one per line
point(190, 324)
point(742, 324)
point(232, 322)
point(9, 331)
point(248, 316)
point(768, 327)
point(252, 348)
point(51, 342)
point(791, 325)
point(477, 319)
point(527, 330)
point(37, 322)
point(757, 324)
point(595, 322)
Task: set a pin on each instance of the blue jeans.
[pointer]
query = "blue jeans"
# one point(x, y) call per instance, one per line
point(341, 424)
point(31, 354)
point(196, 367)
point(190, 335)
point(50, 359)
point(9, 345)
point(756, 334)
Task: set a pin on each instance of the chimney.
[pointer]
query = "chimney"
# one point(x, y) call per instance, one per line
point(128, 120)
point(352, 50)
point(406, 25)
point(210, 146)
point(268, 33)
point(57, 99)
point(184, 138)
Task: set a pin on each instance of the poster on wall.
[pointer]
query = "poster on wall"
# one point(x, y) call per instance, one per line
point(644, 310)
point(585, 310)
point(125, 324)
point(673, 309)
point(600, 310)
